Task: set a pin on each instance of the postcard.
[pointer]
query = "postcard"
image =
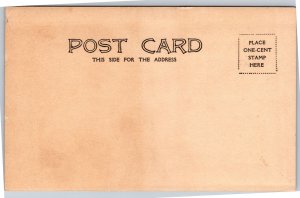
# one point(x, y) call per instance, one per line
point(150, 99)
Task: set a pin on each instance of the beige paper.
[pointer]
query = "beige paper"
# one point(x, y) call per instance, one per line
point(202, 98)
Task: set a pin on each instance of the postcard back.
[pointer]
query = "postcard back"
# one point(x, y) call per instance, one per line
point(150, 98)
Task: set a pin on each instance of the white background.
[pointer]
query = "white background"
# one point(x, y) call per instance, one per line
point(4, 3)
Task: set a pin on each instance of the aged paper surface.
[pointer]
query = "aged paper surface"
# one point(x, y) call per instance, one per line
point(150, 99)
